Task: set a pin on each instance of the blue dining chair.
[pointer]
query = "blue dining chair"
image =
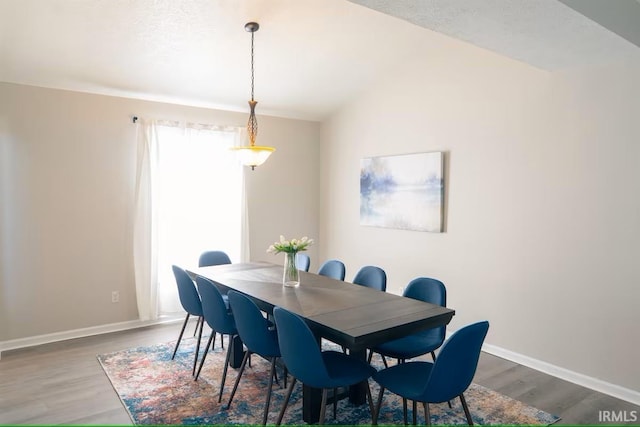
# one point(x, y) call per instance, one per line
point(428, 290)
point(258, 336)
point(219, 319)
point(210, 258)
point(333, 268)
point(190, 301)
point(372, 277)
point(423, 289)
point(440, 381)
point(303, 262)
point(311, 366)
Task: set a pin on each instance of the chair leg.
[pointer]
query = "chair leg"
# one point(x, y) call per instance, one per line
point(404, 410)
point(335, 402)
point(323, 406)
point(384, 360)
point(204, 356)
point(286, 401)
point(184, 325)
point(371, 408)
point(268, 402)
point(370, 357)
point(197, 325)
point(275, 375)
point(466, 409)
point(427, 414)
point(235, 385)
point(376, 413)
point(415, 410)
point(195, 359)
point(226, 366)
point(286, 374)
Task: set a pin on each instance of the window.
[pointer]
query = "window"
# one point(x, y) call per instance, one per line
point(198, 198)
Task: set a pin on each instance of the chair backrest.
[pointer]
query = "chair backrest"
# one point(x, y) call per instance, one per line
point(432, 291)
point(300, 350)
point(252, 327)
point(303, 261)
point(214, 309)
point(333, 268)
point(456, 363)
point(213, 258)
point(372, 277)
point(187, 292)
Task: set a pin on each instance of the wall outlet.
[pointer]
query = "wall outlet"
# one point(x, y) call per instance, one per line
point(115, 296)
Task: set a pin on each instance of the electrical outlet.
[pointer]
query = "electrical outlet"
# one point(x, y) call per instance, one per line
point(115, 296)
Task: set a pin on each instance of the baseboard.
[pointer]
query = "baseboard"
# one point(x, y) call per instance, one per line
point(601, 386)
point(84, 332)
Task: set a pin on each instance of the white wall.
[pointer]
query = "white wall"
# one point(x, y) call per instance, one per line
point(66, 195)
point(543, 207)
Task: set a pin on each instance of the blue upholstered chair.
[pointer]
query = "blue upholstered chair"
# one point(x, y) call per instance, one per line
point(371, 277)
point(313, 367)
point(190, 301)
point(428, 290)
point(209, 258)
point(445, 379)
point(303, 261)
point(333, 268)
point(258, 336)
point(219, 319)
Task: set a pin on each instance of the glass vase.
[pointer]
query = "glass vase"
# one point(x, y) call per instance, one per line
point(291, 275)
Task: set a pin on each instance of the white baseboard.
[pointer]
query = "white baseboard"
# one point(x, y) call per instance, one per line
point(614, 390)
point(84, 332)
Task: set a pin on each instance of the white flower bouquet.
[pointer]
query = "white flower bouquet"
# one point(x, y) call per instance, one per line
point(292, 246)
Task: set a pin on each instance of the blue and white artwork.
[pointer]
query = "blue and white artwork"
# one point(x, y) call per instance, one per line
point(404, 191)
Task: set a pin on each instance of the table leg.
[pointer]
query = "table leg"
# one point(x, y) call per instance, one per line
point(237, 352)
point(311, 401)
point(358, 392)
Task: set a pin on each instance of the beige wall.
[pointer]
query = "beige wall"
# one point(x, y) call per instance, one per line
point(543, 206)
point(66, 191)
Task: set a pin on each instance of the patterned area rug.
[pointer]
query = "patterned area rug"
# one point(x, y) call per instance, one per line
point(157, 390)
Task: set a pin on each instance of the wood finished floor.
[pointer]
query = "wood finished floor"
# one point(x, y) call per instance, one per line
point(62, 383)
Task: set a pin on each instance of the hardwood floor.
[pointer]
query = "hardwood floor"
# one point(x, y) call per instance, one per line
point(63, 383)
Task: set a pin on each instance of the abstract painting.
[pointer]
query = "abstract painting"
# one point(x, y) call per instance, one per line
point(404, 191)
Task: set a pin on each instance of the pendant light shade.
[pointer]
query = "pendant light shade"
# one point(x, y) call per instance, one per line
point(253, 155)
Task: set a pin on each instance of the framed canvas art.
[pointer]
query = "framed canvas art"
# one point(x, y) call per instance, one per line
point(403, 191)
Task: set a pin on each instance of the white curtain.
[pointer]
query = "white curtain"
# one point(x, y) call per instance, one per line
point(145, 254)
point(190, 198)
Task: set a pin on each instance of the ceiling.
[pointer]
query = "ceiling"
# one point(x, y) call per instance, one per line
point(311, 56)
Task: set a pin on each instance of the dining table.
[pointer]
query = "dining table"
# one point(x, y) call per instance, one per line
point(352, 316)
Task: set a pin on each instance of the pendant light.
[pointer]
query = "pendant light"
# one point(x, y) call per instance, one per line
point(253, 155)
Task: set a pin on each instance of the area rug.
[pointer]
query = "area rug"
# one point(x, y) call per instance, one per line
point(157, 390)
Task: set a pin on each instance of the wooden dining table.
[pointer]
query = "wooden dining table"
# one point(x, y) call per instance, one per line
point(353, 316)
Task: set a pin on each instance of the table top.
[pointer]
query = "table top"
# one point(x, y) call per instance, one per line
point(351, 315)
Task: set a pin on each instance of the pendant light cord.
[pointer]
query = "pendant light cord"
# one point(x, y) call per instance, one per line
point(252, 78)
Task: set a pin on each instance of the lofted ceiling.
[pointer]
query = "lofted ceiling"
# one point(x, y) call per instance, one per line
point(311, 56)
